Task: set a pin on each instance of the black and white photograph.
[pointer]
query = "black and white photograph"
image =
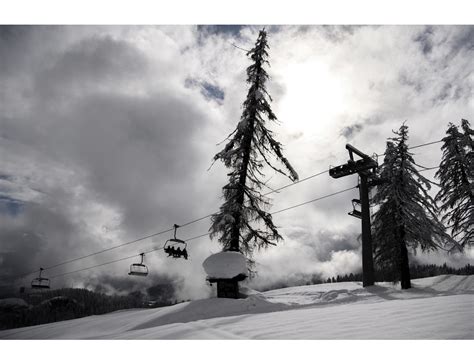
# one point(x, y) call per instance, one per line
point(246, 180)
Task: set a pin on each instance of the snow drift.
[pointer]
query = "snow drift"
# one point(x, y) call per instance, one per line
point(435, 308)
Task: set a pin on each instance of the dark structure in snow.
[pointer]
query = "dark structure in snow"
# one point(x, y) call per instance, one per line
point(249, 148)
point(226, 268)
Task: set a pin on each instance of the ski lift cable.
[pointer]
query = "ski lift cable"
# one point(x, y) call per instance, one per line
point(242, 49)
point(202, 235)
point(419, 145)
point(314, 200)
point(106, 263)
point(193, 221)
point(102, 251)
point(164, 231)
point(117, 246)
point(296, 182)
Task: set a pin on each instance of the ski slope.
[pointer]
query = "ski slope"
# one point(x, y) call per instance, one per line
point(439, 307)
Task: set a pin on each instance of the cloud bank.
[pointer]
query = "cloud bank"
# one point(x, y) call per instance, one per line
point(107, 133)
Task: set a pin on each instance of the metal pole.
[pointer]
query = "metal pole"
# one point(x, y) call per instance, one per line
point(367, 259)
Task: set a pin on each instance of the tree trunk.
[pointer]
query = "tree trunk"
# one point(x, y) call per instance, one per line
point(464, 178)
point(368, 276)
point(247, 145)
point(404, 266)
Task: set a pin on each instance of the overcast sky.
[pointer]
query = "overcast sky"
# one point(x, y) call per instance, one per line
point(107, 134)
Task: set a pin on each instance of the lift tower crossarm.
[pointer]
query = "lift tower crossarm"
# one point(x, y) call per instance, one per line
point(353, 149)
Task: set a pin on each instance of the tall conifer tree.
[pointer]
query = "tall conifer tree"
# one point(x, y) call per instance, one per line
point(456, 175)
point(407, 216)
point(242, 224)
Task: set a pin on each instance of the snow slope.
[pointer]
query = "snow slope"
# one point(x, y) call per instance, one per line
point(440, 307)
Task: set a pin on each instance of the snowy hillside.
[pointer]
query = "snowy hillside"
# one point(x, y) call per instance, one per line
point(435, 308)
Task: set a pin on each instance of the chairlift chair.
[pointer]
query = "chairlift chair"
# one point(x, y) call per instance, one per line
point(40, 282)
point(355, 212)
point(169, 246)
point(139, 269)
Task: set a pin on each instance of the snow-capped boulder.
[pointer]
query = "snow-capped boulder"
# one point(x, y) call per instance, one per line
point(225, 265)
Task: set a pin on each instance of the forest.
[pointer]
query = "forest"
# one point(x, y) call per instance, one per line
point(41, 307)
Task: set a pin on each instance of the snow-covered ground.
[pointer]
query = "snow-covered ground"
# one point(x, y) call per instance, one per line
point(439, 307)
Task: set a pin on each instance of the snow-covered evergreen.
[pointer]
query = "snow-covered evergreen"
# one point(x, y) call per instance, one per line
point(456, 175)
point(242, 224)
point(407, 216)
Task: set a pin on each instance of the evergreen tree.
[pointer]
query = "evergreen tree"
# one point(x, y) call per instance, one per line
point(467, 137)
point(406, 218)
point(385, 249)
point(247, 151)
point(468, 146)
point(457, 183)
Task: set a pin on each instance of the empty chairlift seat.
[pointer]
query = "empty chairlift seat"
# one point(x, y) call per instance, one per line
point(355, 211)
point(40, 282)
point(139, 269)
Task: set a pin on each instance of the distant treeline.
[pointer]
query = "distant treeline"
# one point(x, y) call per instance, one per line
point(41, 307)
point(416, 271)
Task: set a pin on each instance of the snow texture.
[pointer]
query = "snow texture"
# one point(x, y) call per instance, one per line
point(227, 264)
point(435, 308)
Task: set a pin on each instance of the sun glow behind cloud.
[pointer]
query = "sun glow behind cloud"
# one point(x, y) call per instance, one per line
point(313, 100)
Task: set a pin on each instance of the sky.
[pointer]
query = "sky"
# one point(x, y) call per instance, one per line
point(107, 134)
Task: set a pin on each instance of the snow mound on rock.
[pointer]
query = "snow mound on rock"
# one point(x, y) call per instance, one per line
point(225, 265)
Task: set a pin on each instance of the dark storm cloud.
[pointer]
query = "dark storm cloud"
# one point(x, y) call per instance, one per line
point(33, 234)
point(11, 36)
point(91, 62)
point(132, 147)
point(10, 205)
point(461, 40)
point(349, 131)
point(424, 39)
point(123, 140)
point(136, 150)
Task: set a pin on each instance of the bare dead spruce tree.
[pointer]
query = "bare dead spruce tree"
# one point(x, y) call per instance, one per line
point(242, 224)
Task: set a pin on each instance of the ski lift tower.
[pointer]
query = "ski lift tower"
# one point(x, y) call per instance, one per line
point(365, 168)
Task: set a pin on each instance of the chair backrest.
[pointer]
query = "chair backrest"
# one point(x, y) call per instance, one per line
point(138, 269)
point(40, 283)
